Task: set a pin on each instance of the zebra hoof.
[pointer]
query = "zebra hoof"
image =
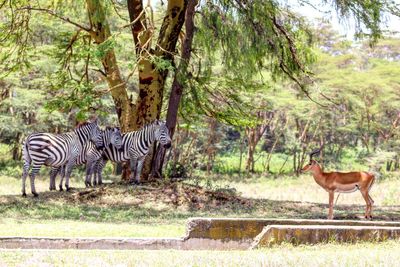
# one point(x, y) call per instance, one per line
point(35, 194)
point(67, 188)
point(23, 194)
point(61, 188)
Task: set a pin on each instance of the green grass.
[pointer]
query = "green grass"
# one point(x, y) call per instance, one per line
point(80, 228)
point(162, 210)
point(303, 189)
point(119, 210)
point(361, 254)
point(229, 163)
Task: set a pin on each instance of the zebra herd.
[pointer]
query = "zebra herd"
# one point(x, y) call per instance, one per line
point(89, 145)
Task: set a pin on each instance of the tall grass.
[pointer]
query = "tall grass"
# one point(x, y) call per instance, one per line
point(354, 255)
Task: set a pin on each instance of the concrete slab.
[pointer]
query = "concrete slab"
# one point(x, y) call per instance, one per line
point(120, 243)
point(225, 234)
point(313, 234)
point(90, 243)
point(246, 229)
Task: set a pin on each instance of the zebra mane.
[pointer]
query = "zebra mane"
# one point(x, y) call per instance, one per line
point(154, 122)
point(82, 124)
point(111, 128)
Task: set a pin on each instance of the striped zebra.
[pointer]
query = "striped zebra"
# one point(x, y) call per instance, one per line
point(135, 146)
point(89, 155)
point(56, 150)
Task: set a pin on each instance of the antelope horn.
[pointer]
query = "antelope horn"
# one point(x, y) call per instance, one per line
point(316, 151)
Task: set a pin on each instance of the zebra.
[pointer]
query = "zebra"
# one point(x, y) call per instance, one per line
point(90, 154)
point(135, 147)
point(56, 150)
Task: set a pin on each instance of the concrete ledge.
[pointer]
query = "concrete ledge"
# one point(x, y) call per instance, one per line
point(90, 243)
point(120, 243)
point(313, 234)
point(226, 234)
point(246, 229)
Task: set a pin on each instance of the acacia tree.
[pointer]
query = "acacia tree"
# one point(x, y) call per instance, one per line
point(244, 36)
point(152, 61)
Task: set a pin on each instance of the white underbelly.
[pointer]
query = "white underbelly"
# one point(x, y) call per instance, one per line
point(350, 188)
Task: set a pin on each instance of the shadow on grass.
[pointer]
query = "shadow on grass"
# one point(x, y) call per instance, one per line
point(168, 202)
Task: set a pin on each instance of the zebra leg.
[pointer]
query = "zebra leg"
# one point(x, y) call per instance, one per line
point(133, 163)
point(62, 173)
point(139, 170)
point(94, 172)
point(34, 171)
point(53, 175)
point(68, 171)
point(100, 166)
point(89, 167)
point(25, 172)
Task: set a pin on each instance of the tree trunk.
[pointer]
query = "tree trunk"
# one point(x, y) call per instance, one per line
point(242, 141)
point(16, 150)
point(177, 86)
point(117, 86)
point(151, 77)
point(250, 132)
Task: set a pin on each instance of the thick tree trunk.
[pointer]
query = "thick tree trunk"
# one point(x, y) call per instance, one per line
point(117, 86)
point(151, 77)
point(177, 86)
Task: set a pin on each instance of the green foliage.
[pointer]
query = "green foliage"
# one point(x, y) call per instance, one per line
point(162, 64)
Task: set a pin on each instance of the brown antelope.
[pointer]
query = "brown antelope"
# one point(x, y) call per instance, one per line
point(342, 183)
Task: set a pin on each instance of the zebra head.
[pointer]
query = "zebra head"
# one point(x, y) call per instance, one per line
point(161, 133)
point(90, 131)
point(112, 135)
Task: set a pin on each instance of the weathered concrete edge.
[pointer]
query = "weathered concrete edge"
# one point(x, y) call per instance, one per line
point(248, 228)
point(313, 234)
point(120, 243)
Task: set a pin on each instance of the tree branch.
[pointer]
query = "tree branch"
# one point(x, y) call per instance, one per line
point(54, 14)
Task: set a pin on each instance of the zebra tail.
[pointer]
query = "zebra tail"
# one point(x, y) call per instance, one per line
point(25, 151)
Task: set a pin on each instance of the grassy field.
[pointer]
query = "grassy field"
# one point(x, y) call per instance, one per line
point(352, 255)
point(162, 209)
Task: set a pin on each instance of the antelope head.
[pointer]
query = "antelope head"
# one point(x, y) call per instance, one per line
point(312, 162)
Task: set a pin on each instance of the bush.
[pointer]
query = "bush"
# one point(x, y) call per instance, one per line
point(176, 170)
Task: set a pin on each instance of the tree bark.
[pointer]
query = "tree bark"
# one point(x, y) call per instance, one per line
point(251, 143)
point(100, 32)
point(177, 86)
point(254, 135)
point(151, 77)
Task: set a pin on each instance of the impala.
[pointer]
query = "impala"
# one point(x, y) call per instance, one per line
point(342, 183)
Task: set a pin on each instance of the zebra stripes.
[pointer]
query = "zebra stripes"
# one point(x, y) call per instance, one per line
point(56, 150)
point(135, 146)
point(89, 155)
